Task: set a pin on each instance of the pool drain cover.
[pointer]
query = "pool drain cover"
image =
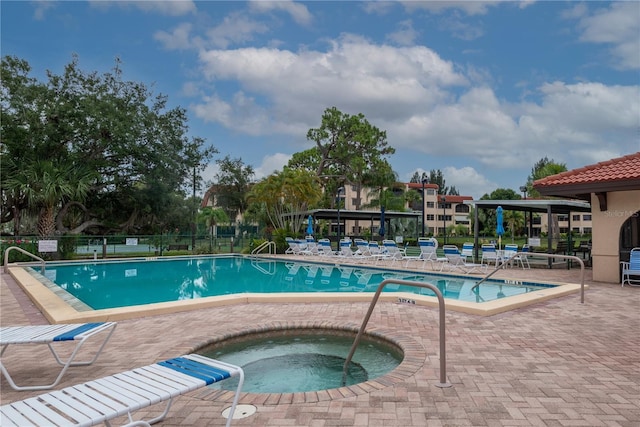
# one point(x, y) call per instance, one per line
point(242, 411)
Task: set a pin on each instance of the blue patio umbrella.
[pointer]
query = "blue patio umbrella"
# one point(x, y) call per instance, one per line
point(310, 226)
point(381, 231)
point(499, 226)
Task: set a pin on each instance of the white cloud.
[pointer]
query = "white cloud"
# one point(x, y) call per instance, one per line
point(270, 164)
point(617, 26)
point(236, 28)
point(163, 7)
point(405, 36)
point(41, 7)
point(298, 12)
point(353, 75)
point(468, 7)
point(178, 39)
point(468, 181)
point(411, 93)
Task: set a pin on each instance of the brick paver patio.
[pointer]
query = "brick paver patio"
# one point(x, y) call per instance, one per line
point(557, 363)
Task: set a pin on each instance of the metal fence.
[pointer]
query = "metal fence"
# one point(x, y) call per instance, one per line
point(110, 246)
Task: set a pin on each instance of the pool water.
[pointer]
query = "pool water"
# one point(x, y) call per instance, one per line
point(110, 284)
point(301, 362)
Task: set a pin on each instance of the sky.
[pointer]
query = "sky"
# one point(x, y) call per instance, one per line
point(480, 90)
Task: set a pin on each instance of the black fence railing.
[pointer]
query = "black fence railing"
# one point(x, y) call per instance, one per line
point(84, 246)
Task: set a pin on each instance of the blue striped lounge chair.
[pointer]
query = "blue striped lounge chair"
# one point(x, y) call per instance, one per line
point(456, 261)
point(54, 336)
point(490, 255)
point(467, 250)
point(99, 401)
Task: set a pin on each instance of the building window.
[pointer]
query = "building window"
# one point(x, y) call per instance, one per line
point(537, 220)
point(431, 192)
point(586, 217)
point(575, 217)
point(431, 205)
point(576, 229)
point(460, 208)
point(563, 217)
point(586, 230)
point(431, 217)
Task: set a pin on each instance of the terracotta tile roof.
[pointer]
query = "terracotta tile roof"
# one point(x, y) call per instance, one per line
point(454, 199)
point(620, 169)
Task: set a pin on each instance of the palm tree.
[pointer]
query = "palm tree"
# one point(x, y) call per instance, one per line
point(47, 185)
point(287, 194)
point(515, 221)
point(212, 217)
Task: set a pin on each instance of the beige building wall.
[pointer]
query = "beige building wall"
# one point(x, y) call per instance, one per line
point(605, 250)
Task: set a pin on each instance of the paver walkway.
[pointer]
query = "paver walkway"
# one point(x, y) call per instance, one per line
point(557, 363)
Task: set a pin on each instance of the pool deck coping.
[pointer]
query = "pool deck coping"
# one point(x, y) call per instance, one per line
point(49, 300)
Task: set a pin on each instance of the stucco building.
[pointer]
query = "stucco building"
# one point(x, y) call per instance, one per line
point(613, 189)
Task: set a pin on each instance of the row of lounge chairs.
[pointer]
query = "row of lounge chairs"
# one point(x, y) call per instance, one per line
point(102, 400)
point(390, 253)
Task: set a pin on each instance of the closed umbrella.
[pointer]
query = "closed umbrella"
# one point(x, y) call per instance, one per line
point(381, 231)
point(309, 226)
point(499, 226)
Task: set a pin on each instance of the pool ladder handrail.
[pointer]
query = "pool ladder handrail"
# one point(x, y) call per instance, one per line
point(6, 258)
point(271, 245)
point(441, 308)
point(568, 257)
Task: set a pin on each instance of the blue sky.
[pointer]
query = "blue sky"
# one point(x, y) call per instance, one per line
point(481, 90)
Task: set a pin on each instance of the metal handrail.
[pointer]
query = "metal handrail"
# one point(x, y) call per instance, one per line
point(443, 359)
point(268, 244)
point(571, 257)
point(6, 258)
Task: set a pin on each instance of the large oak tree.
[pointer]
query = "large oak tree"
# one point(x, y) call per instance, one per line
point(130, 151)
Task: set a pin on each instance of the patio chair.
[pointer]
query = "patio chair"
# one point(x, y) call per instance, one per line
point(393, 251)
point(631, 268)
point(490, 255)
point(510, 254)
point(98, 401)
point(467, 250)
point(523, 257)
point(54, 336)
point(456, 261)
point(428, 253)
point(324, 248)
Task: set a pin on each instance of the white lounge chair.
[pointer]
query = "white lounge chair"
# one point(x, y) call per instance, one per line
point(509, 254)
point(98, 401)
point(491, 255)
point(53, 336)
point(467, 251)
point(428, 253)
point(631, 268)
point(456, 261)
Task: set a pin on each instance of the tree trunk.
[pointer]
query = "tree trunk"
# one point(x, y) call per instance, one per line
point(46, 222)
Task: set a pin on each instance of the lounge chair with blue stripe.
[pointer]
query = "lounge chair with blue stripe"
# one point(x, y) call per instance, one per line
point(54, 336)
point(102, 400)
point(457, 261)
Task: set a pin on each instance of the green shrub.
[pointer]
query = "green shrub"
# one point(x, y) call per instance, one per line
point(29, 245)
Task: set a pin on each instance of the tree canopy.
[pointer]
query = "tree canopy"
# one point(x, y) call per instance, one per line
point(542, 169)
point(348, 150)
point(129, 152)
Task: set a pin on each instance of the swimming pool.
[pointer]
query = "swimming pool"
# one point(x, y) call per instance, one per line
point(121, 289)
point(102, 285)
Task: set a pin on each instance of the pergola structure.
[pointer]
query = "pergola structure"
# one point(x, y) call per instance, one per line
point(549, 207)
point(372, 216)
